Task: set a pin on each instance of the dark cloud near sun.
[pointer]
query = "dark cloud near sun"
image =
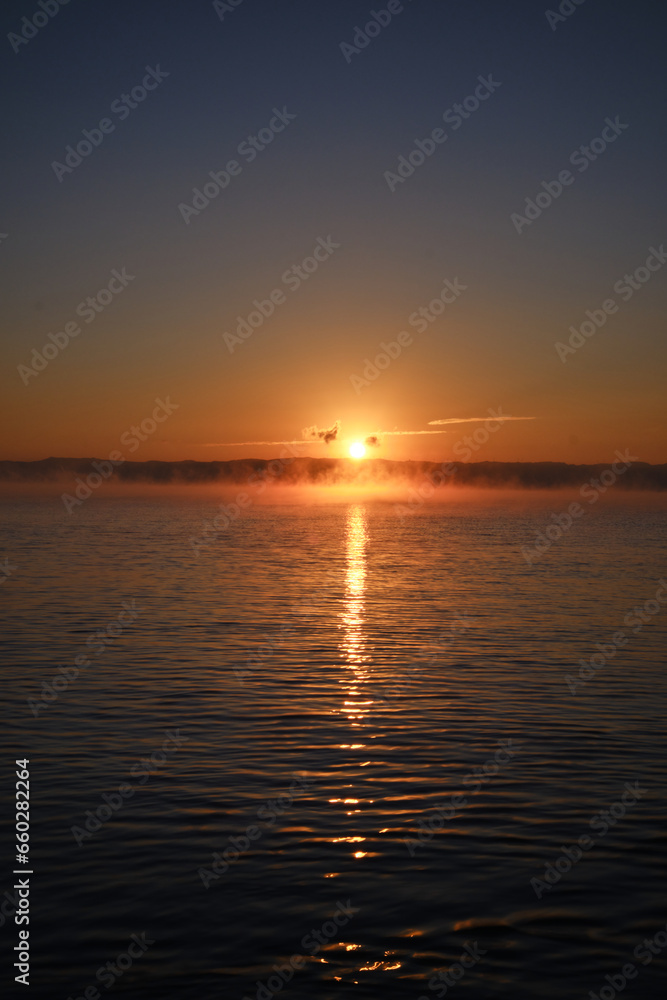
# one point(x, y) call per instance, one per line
point(373, 441)
point(326, 434)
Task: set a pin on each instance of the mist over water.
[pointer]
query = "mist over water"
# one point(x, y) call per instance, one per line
point(623, 471)
point(337, 678)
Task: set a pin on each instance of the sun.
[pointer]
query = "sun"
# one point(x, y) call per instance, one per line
point(357, 449)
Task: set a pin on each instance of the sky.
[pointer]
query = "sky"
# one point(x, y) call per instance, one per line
point(304, 119)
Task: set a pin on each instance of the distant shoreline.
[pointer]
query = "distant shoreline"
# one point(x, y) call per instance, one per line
point(336, 471)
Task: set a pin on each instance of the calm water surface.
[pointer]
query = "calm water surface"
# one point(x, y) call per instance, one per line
point(334, 678)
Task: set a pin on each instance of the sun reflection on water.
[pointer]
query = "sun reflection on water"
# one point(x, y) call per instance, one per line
point(357, 705)
point(356, 537)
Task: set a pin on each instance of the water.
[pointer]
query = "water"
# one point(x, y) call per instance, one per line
point(366, 671)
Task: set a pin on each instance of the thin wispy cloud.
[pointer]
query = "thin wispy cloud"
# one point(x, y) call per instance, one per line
point(249, 444)
point(474, 420)
point(407, 433)
point(325, 435)
point(372, 440)
point(311, 435)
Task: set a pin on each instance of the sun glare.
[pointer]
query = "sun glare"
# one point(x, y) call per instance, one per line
point(357, 450)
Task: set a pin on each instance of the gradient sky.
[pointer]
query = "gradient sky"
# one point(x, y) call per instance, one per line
point(324, 176)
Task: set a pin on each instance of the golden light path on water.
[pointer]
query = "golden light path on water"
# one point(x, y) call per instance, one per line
point(354, 646)
point(354, 642)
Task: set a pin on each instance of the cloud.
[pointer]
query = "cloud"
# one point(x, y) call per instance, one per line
point(408, 433)
point(316, 436)
point(311, 435)
point(474, 420)
point(326, 434)
point(243, 444)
